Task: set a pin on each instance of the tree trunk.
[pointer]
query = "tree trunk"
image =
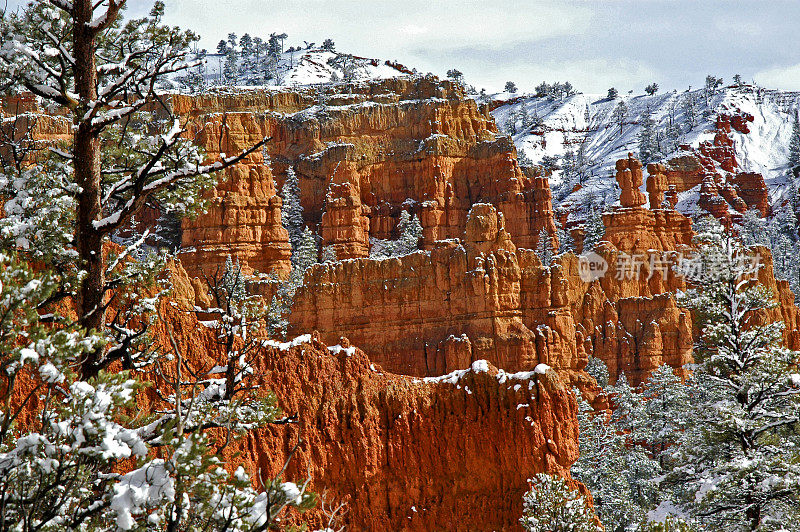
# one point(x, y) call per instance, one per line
point(89, 241)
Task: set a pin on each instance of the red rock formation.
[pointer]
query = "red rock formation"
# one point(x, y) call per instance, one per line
point(345, 227)
point(633, 228)
point(751, 188)
point(629, 177)
point(418, 145)
point(713, 167)
point(402, 453)
point(657, 184)
point(428, 313)
point(244, 214)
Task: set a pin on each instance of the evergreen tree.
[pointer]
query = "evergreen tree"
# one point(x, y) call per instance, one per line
point(510, 87)
point(292, 209)
point(620, 114)
point(63, 472)
point(736, 465)
point(542, 90)
point(794, 143)
point(544, 248)
point(649, 145)
point(593, 228)
point(455, 75)
point(231, 68)
point(618, 475)
point(651, 89)
point(612, 93)
point(622, 456)
point(689, 105)
point(328, 45)
point(712, 84)
point(565, 242)
point(410, 233)
point(551, 506)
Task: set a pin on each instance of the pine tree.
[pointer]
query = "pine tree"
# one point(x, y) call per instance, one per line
point(566, 243)
point(550, 506)
point(510, 87)
point(711, 86)
point(651, 89)
point(63, 206)
point(623, 456)
point(593, 228)
point(612, 93)
point(737, 463)
point(410, 233)
point(689, 106)
point(649, 146)
point(620, 114)
point(794, 143)
point(544, 248)
point(292, 210)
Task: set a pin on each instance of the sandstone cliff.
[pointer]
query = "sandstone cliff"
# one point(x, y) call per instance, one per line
point(413, 144)
point(402, 453)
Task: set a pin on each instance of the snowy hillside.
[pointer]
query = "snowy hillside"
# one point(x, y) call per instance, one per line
point(305, 67)
point(591, 132)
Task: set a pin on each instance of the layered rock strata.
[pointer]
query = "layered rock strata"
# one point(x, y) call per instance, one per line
point(401, 453)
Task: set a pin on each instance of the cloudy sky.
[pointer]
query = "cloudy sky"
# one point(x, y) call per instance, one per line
point(592, 43)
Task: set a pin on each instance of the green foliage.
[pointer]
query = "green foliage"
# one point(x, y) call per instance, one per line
point(794, 143)
point(649, 140)
point(594, 228)
point(550, 506)
point(737, 461)
point(410, 233)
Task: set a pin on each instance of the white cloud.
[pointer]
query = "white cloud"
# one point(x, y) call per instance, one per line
point(786, 77)
point(586, 75)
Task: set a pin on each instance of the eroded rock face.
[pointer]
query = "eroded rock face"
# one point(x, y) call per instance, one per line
point(713, 167)
point(431, 312)
point(405, 454)
point(361, 158)
point(402, 453)
point(481, 297)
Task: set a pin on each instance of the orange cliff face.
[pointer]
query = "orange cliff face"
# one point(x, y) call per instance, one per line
point(485, 298)
point(435, 311)
point(402, 453)
point(361, 158)
point(431, 312)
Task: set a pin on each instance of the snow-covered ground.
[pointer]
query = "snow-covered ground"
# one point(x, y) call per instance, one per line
point(564, 124)
point(314, 66)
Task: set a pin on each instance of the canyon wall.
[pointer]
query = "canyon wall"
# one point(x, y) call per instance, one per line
point(482, 297)
point(361, 158)
point(402, 453)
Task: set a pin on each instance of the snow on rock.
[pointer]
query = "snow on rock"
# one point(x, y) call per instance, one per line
point(554, 127)
point(336, 349)
point(285, 346)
